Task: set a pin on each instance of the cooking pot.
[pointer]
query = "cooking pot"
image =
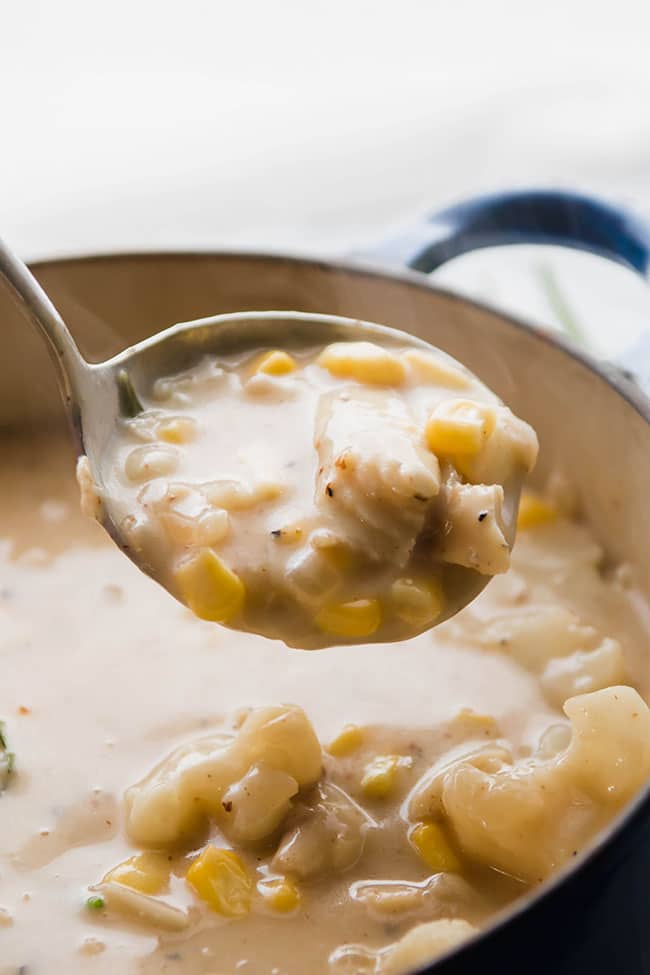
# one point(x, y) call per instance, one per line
point(593, 421)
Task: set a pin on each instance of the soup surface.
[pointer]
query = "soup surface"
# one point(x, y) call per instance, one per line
point(338, 494)
point(461, 784)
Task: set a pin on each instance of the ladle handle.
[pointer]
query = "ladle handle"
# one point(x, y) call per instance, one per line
point(556, 217)
point(31, 297)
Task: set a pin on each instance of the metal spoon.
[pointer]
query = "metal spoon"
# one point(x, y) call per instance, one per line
point(98, 395)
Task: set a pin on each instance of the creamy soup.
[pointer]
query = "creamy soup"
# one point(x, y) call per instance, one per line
point(193, 800)
point(331, 495)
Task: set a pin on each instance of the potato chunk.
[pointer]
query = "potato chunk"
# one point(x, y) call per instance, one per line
point(423, 943)
point(549, 640)
point(328, 836)
point(530, 818)
point(275, 754)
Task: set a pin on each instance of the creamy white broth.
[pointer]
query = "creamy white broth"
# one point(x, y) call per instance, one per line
point(104, 675)
point(332, 495)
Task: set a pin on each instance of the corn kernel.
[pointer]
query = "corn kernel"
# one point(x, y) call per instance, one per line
point(177, 429)
point(281, 894)
point(430, 842)
point(428, 368)
point(340, 557)
point(417, 603)
point(276, 363)
point(380, 776)
point(355, 619)
point(363, 361)
point(146, 872)
point(346, 742)
point(459, 426)
point(211, 590)
point(220, 878)
point(534, 511)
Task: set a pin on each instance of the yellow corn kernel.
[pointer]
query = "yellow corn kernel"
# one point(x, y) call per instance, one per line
point(146, 872)
point(275, 363)
point(340, 557)
point(428, 368)
point(459, 426)
point(346, 742)
point(280, 894)
point(177, 429)
point(430, 842)
point(355, 619)
point(417, 603)
point(220, 878)
point(380, 776)
point(211, 590)
point(535, 510)
point(363, 361)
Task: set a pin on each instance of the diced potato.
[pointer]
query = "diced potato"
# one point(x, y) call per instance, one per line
point(280, 894)
point(221, 880)
point(425, 799)
point(284, 738)
point(459, 426)
point(610, 749)
point(430, 842)
point(426, 367)
point(329, 835)
point(510, 450)
point(275, 363)
point(256, 804)
point(531, 817)
point(311, 577)
point(583, 672)
point(534, 511)
point(211, 590)
point(146, 872)
point(347, 741)
point(356, 619)
point(364, 362)
point(145, 463)
point(380, 777)
point(423, 943)
point(417, 603)
point(177, 799)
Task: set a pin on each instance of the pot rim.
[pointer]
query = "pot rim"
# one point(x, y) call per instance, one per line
point(617, 378)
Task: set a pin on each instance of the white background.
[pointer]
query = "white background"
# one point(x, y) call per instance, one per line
point(316, 126)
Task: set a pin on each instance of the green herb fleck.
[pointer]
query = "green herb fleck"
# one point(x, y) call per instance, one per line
point(7, 760)
point(130, 405)
point(95, 903)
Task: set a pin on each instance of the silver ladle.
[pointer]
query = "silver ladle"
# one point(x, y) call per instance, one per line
point(98, 395)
